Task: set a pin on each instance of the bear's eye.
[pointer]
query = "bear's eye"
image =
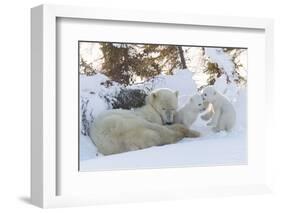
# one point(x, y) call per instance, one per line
point(199, 104)
point(205, 94)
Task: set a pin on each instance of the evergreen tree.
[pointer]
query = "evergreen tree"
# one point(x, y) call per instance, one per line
point(86, 68)
point(183, 63)
point(231, 71)
point(116, 62)
point(235, 54)
point(124, 62)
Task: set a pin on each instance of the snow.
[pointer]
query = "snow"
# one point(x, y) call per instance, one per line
point(208, 150)
point(195, 61)
point(180, 81)
point(92, 54)
point(222, 59)
point(197, 153)
point(92, 92)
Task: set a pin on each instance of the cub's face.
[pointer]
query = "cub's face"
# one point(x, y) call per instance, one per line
point(208, 94)
point(165, 102)
point(198, 103)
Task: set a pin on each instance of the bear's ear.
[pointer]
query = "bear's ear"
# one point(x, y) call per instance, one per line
point(177, 93)
point(154, 95)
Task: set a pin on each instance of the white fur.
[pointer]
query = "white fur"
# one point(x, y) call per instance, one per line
point(188, 113)
point(224, 115)
point(209, 111)
point(117, 131)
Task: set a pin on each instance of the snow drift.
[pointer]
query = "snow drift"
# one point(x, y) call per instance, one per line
point(96, 95)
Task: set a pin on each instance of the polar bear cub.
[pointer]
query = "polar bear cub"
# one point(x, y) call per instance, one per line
point(188, 113)
point(224, 115)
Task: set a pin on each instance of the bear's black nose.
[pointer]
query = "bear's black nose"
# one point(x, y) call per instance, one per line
point(169, 123)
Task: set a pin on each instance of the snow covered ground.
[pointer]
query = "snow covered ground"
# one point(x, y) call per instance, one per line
point(209, 150)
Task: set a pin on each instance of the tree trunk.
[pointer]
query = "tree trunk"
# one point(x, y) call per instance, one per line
point(183, 63)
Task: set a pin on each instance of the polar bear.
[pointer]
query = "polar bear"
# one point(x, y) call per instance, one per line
point(209, 111)
point(118, 130)
point(188, 113)
point(224, 115)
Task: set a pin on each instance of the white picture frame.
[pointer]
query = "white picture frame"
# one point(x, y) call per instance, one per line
point(45, 171)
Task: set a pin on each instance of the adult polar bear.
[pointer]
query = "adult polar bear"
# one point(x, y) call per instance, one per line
point(118, 130)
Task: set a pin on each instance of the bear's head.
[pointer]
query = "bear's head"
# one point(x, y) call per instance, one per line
point(209, 94)
point(165, 102)
point(197, 103)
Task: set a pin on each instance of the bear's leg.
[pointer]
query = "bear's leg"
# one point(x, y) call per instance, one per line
point(216, 129)
point(183, 131)
point(207, 116)
point(144, 136)
point(222, 123)
point(149, 138)
point(209, 112)
point(228, 126)
point(215, 118)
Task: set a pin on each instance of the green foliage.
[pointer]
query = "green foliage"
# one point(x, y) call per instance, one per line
point(129, 98)
point(124, 63)
point(213, 71)
point(116, 62)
